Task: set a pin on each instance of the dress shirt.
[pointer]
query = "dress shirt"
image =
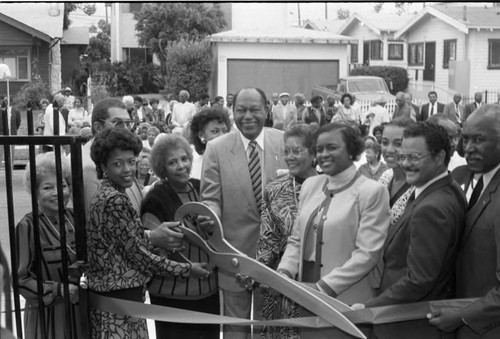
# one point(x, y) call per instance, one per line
point(433, 108)
point(419, 190)
point(486, 181)
point(183, 113)
point(458, 113)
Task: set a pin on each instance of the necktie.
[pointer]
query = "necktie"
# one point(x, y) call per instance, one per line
point(457, 110)
point(476, 193)
point(255, 172)
point(432, 110)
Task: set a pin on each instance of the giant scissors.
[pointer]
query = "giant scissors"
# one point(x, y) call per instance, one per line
point(227, 258)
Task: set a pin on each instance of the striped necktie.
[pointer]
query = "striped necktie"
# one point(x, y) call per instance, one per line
point(255, 172)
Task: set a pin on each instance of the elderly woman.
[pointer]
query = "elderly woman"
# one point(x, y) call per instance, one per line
point(171, 161)
point(342, 223)
point(373, 168)
point(346, 111)
point(144, 174)
point(280, 208)
point(153, 132)
point(394, 178)
point(206, 125)
point(119, 253)
point(51, 256)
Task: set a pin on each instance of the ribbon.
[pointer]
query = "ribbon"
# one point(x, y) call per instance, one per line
point(373, 315)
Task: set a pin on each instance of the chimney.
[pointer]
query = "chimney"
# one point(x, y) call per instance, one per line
point(465, 14)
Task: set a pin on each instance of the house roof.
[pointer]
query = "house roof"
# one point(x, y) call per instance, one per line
point(461, 17)
point(281, 35)
point(34, 18)
point(76, 36)
point(333, 26)
point(378, 22)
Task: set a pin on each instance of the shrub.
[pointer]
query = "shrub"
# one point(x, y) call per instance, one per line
point(35, 91)
point(398, 75)
point(188, 66)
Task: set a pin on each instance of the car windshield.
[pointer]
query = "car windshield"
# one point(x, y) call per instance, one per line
point(367, 85)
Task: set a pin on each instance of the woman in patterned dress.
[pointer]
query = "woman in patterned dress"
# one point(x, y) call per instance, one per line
point(171, 160)
point(394, 178)
point(51, 259)
point(280, 206)
point(119, 252)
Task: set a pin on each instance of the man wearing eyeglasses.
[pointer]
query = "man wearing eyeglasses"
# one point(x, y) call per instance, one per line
point(421, 247)
point(478, 269)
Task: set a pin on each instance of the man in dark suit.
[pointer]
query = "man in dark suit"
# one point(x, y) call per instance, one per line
point(454, 111)
point(478, 269)
point(478, 101)
point(421, 247)
point(230, 186)
point(433, 107)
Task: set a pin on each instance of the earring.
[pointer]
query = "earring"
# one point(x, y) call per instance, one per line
point(203, 140)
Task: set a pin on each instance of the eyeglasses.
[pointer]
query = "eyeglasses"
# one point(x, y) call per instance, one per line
point(295, 151)
point(414, 158)
point(120, 123)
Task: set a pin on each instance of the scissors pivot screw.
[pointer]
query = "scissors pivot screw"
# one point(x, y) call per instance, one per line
point(234, 262)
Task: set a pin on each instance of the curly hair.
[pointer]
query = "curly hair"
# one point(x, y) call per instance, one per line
point(45, 164)
point(305, 131)
point(351, 135)
point(201, 120)
point(436, 137)
point(163, 144)
point(110, 139)
point(346, 95)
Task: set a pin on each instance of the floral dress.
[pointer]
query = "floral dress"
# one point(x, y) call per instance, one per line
point(120, 258)
point(51, 264)
point(278, 216)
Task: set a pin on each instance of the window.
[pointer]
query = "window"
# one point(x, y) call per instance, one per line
point(137, 55)
point(354, 53)
point(494, 53)
point(17, 58)
point(376, 50)
point(416, 54)
point(395, 51)
point(449, 52)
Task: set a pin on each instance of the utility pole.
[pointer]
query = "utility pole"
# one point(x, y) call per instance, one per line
point(298, 11)
point(326, 10)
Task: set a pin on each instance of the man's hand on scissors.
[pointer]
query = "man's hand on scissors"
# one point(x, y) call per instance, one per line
point(206, 224)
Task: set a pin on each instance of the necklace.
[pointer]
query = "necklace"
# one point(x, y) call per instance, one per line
point(56, 231)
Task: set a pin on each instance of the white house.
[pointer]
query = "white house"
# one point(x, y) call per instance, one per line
point(455, 47)
point(376, 44)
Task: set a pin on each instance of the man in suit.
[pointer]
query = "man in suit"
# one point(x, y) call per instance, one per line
point(478, 269)
point(478, 101)
point(433, 107)
point(228, 186)
point(409, 100)
point(421, 247)
point(454, 111)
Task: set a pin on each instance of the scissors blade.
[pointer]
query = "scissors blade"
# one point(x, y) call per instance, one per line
point(228, 258)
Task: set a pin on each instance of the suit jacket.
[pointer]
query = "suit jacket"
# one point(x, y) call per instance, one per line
point(419, 254)
point(417, 111)
point(226, 188)
point(450, 111)
point(469, 109)
point(425, 110)
point(478, 271)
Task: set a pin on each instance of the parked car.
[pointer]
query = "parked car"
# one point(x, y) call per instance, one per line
point(365, 88)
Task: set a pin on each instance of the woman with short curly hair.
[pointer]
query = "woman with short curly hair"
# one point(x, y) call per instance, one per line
point(347, 112)
point(119, 253)
point(171, 160)
point(206, 125)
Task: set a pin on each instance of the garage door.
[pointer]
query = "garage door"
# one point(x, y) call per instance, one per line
point(290, 76)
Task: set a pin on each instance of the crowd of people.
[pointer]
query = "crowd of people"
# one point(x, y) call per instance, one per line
point(365, 207)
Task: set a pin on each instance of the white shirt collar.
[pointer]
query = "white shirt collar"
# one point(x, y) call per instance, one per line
point(259, 140)
point(419, 190)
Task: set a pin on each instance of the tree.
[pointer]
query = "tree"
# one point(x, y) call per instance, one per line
point(402, 7)
point(68, 8)
point(161, 23)
point(99, 46)
point(343, 14)
point(188, 65)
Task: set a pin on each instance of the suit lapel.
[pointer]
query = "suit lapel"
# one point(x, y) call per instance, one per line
point(239, 165)
point(407, 214)
point(271, 156)
point(475, 212)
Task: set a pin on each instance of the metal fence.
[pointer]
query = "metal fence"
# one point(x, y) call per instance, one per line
point(33, 142)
